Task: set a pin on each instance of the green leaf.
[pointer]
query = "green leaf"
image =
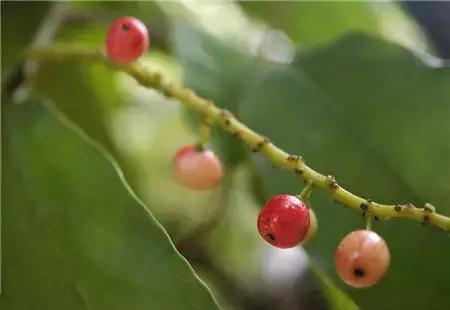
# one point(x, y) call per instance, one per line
point(310, 22)
point(19, 25)
point(73, 237)
point(225, 74)
point(336, 299)
point(373, 115)
point(217, 71)
point(72, 88)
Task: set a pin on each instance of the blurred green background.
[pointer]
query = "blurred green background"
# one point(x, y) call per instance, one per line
point(91, 215)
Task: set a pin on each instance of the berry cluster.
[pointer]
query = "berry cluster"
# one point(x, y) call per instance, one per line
point(362, 257)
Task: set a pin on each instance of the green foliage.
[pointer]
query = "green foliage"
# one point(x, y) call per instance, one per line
point(364, 110)
point(372, 114)
point(19, 25)
point(309, 22)
point(73, 236)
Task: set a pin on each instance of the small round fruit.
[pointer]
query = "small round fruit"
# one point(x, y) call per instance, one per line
point(362, 258)
point(127, 39)
point(284, 221)
point(312, 227)
point(198, 170)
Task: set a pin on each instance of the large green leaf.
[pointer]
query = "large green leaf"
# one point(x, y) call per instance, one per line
point(217, 71)
point(225, 74)
point(19, 25)
point(377, 117)
point(72, 236)
point(311, 22)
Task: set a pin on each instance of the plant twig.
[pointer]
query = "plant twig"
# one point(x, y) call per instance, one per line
point(224, 119)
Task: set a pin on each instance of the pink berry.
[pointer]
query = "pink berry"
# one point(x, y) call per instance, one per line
point(312, 227)
point(127, 39)
point(198, 170)
point(284, 221)
point(362, 258)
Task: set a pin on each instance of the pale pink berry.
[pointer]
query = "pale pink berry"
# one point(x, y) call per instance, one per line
point(312, 227)
point(127, 39)
point(195, 169)
point(362, 258)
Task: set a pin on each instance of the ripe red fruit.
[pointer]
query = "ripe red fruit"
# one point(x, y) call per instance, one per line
point(198, 170)
point(127, 39)
point(284, 221)
point(362, 258)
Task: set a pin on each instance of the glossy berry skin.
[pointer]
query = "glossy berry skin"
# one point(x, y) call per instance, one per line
point(127, 39)
point(197, 170)
point(362, 258)
point(284, 221)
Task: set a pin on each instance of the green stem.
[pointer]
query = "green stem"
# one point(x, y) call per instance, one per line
point(306, 192)
point(368, 221)
point(222, 118)
point(204, 133)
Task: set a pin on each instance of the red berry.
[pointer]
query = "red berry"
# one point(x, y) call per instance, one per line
point(362, 258)
point(284, 221)
point(127, 39)
point(196, 169)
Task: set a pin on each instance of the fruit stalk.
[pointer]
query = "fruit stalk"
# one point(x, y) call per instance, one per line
point(224, 119)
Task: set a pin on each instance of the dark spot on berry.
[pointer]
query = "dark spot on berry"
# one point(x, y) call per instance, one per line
point(125, 27)
point(359, 272)
point(271, 236)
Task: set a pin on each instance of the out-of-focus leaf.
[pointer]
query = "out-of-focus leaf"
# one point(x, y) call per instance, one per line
point(216, 71)
point(73, 237)
point(88, 21)
point(85, 94)
point(312, 22)
point(225, 74)
point(375, 116)
point(19, 25)
point(336, 299)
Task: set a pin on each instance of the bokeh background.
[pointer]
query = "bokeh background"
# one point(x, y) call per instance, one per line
point(92, 217)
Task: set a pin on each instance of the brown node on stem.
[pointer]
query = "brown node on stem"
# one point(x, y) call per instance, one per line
point(333, 185)
point(398, 208)
point(364, 207)
point(224, 113)
point(428, 207)
point(168, 91)
point(261, 144)
point(237, 134)
point(426, 220)
point(298, 171)
point(157, 77)
point(294, 158)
